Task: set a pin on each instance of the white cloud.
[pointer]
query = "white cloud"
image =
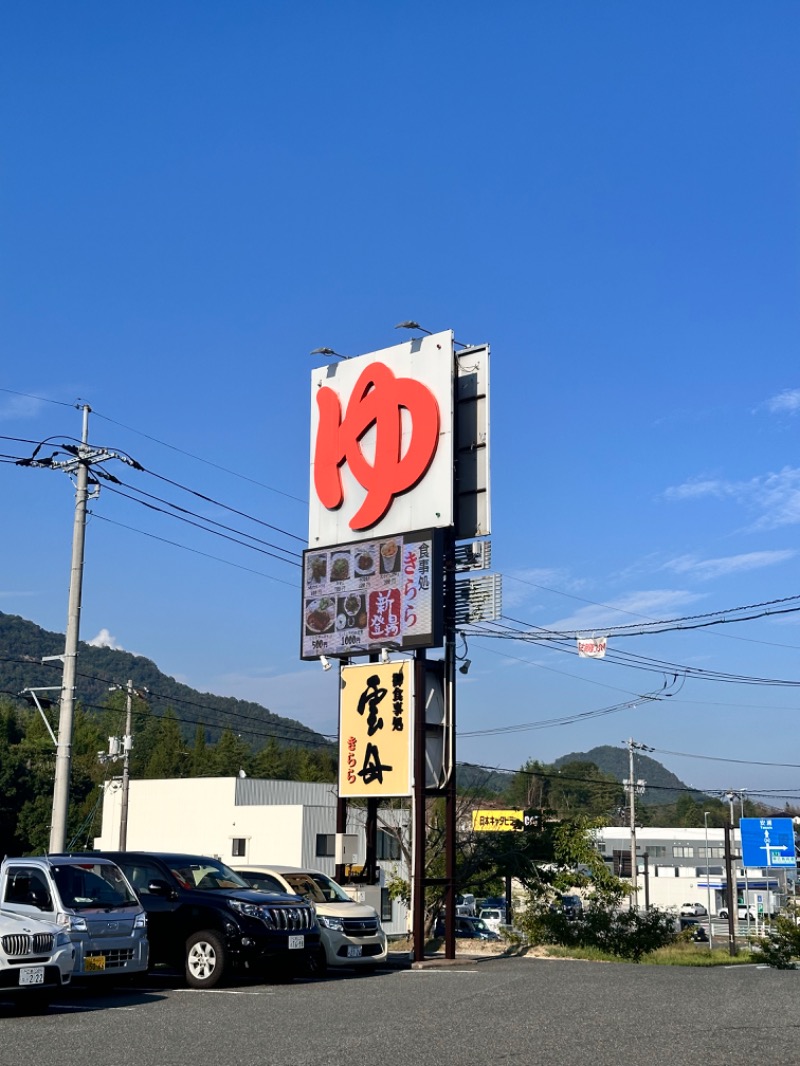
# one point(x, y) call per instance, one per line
point(647, 604)
point(520, 586)
point(786, 402)
point(695, 488)
point(19, 407)
point(105, 640)
point(775, 498)
point(705, 569)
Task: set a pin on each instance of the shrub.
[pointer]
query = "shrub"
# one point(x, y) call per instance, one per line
point(626, 934)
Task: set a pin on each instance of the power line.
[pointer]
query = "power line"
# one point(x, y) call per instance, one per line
point(200, 459)
point(205, 528)
point(194, 551)
point(41, 399)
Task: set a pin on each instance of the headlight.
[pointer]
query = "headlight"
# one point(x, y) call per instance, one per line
point(140, 921)
point(251, 910)
point(62, 940)
point(331, 923)
point(71, 922)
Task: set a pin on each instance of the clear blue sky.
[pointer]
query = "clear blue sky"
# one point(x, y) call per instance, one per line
point(195, 195)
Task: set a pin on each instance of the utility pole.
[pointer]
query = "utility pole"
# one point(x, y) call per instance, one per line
point(733, 908)
point(81, 459)
point(633, 786)
point(58, 829)
point(126, 761)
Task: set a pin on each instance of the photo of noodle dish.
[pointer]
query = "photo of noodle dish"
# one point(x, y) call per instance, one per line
point(320, 615)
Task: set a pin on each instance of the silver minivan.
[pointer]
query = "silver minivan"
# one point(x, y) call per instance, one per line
point(90, 898)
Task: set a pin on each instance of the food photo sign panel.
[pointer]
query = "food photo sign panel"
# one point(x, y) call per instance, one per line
point(377, 593)
point(376, 729)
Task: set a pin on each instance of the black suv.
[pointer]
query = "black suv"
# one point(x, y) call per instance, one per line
point(203, 917)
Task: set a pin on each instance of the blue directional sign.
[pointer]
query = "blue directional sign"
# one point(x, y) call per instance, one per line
point(768, 842)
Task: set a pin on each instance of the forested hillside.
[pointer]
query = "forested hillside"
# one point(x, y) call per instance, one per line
point(23, 644)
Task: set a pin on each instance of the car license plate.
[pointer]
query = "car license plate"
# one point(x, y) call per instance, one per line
point(92, 963)
point(31, 975)
point(297, 942)
point(354, 952)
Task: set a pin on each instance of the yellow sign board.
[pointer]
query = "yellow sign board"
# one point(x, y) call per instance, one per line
point(376, 729)
point(496, 821)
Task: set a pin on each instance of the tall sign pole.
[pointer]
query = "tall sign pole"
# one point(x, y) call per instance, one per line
point(58, 829)
point(399, 474)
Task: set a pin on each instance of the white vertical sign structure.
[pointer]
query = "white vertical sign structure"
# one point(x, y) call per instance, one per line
point(382, 443)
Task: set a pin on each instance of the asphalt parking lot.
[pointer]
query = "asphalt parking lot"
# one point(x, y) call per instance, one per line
point(486, 1010)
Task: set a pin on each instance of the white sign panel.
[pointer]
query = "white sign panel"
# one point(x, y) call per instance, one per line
point(382, 443)
point(592, 647)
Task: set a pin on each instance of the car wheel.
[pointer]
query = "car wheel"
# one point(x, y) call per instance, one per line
point(206, 960)
point(317, 963)
point(723, 914)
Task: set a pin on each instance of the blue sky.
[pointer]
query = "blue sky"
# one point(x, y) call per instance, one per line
point(195, 195)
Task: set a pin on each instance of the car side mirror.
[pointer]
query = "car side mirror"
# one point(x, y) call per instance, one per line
point(159, 887)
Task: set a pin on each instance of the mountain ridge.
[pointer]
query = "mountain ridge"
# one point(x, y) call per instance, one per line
point(23, 644)
point(661, 785)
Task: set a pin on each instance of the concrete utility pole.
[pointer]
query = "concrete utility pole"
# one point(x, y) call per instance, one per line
point(58, 829)
point(126, 762)
point(633, 786)
point(85, 457)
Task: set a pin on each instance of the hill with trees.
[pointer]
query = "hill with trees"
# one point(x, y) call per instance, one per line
point(23, 644)
point(662, 786)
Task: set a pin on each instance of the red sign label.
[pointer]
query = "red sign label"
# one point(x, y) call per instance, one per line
point(378, 399)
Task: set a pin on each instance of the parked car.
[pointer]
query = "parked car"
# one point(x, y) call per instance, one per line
point(743, 913)
point(207, 920)
point(572, 906)
point(465, 904)
point(693, 910)
point(350, 932)
point(493, 916)
point(36, 959)
point(90, 898)
point(469, 928)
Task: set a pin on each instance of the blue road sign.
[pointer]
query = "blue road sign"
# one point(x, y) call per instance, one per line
point(768, 842)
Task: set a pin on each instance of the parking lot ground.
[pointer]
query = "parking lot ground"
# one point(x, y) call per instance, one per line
point(507, 1011)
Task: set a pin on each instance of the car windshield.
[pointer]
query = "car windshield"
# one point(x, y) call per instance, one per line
point(318, 888)
point(207, 875)
point(84, 885)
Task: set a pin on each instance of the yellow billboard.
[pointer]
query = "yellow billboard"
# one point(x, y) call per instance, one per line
point(496, 821)
point(376, 729)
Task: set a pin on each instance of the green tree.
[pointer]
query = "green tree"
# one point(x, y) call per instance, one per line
point(270, 761)
point(230, 755)
point(200, 758)
point(169, 755)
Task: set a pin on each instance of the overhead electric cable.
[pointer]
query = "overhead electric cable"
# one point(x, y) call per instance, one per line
point(200, 459)
point(194, 551)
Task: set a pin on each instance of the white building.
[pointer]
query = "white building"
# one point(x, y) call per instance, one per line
point(246, 821)
point(678, 866)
